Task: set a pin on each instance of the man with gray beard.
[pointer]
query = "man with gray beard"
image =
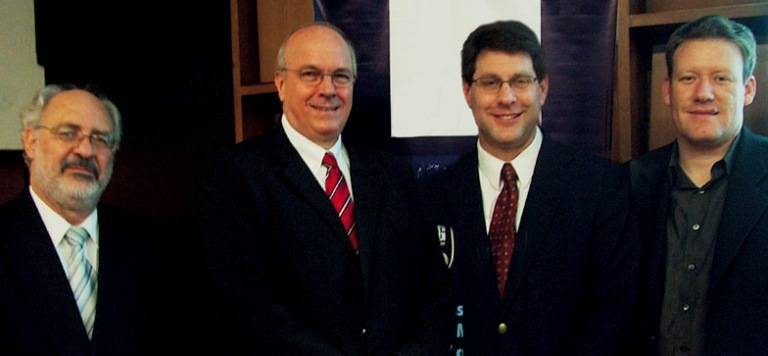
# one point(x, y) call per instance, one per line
point(71, 270)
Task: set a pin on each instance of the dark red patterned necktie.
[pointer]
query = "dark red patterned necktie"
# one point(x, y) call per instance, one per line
point(502, 230)
point(337, 191)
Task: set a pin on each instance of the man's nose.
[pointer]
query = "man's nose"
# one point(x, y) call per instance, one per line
point(84, 147)
point(507, 94)
point(704, 90)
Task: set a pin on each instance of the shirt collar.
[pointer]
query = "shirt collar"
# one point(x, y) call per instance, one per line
point(310, 152)
point(720, 169)
point(524, 164)
point(57, 226)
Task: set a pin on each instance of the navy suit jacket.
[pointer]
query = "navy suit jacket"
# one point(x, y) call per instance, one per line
point(281, 260)
point(571, 285)
point(737, 314)
point(38, 314)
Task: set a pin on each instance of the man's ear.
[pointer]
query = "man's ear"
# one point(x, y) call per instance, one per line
point(29, 139)
point(543, 90)
point(466, 87)
point(750, 89)
point(280, 84)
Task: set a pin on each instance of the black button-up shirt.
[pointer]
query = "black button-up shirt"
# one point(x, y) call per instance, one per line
point(692, 221)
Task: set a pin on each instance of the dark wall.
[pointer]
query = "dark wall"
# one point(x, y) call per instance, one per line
point(167, 67)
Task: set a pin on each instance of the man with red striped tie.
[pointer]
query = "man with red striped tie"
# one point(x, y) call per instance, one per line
point(314, 244)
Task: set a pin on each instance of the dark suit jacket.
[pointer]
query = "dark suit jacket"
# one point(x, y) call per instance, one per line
point(571, 283)
point(737, 315)
point(38, 314)
point(281, 259)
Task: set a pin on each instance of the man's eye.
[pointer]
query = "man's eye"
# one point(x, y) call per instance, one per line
point(489, 82)
point(101, 140)
point(723, 79)
point(523, 82)
point(310, 75)
point(67, 134)
point(687, 79)
point(342, 77)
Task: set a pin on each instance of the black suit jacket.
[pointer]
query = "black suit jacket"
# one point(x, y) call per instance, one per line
point(572, 279)
point(737, 316)
point(38, 314)
point(291, 283)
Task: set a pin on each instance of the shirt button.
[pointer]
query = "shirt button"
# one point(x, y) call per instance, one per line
point(502, 328)
point(362, 332)
point(686, 307)
point(696, 227)
point(691, 267)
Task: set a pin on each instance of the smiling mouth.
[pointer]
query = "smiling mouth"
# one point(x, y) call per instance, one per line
point(509, 116)
point(325, 108)
point(709, 112)
point(82, 172)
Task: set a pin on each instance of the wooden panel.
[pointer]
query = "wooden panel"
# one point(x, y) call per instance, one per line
point(681, 16)
point(662, 130)
point(276, 19)
point(756, 115)
point(667, 5)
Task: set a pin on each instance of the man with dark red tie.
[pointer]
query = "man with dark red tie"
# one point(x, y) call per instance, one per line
point(314, 244)
point(532, 230)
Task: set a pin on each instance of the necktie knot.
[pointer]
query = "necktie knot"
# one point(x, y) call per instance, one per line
point(330, 161)
point(76, 236)
point(508, 174)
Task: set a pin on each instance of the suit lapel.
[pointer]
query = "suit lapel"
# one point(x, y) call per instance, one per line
point(296, 174)
point(43, 278)
point(745, 201)
point(650, 197)
point(470, 231)
point(544, 194)
point(368, 194)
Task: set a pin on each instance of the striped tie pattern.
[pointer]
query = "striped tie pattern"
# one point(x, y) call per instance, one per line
point(502, 230)
point(82, 276)
point(337, 191)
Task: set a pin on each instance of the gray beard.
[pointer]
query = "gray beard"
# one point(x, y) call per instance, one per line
point(76, 198)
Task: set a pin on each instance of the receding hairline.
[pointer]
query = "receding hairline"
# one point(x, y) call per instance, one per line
point(316, 26)
point(67, 94)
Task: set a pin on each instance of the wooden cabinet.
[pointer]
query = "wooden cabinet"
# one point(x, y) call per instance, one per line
point(258, 28)
point(641, 120)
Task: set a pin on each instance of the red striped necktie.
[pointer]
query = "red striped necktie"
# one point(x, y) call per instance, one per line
point(337, 191)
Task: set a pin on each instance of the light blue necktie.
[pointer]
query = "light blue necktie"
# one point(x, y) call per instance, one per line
point(82, 276)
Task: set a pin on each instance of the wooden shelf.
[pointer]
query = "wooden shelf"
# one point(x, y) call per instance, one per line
point(256, 89)
point(682, 16)
point(640, 120)
point(258, 27)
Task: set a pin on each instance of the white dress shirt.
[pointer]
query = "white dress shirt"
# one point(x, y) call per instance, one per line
point(489, 171)
point(57, 227)
point(312, 155)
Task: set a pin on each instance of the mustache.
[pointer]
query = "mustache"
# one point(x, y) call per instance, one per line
point(82, 162)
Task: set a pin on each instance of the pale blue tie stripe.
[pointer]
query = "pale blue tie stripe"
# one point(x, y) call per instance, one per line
point(82, 276)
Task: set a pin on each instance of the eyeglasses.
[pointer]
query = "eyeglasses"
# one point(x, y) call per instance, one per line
point(73, 134)
point(493, 84)
point(341, 78)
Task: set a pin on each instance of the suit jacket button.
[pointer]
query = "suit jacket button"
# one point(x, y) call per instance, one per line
point(502, 328)
point(362, 332)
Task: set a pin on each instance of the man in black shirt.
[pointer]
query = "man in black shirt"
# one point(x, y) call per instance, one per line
point(700, 202)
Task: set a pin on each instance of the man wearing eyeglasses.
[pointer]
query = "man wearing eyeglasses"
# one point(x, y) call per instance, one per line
point(315, 245)
point(531, 229)
point(69, 269)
